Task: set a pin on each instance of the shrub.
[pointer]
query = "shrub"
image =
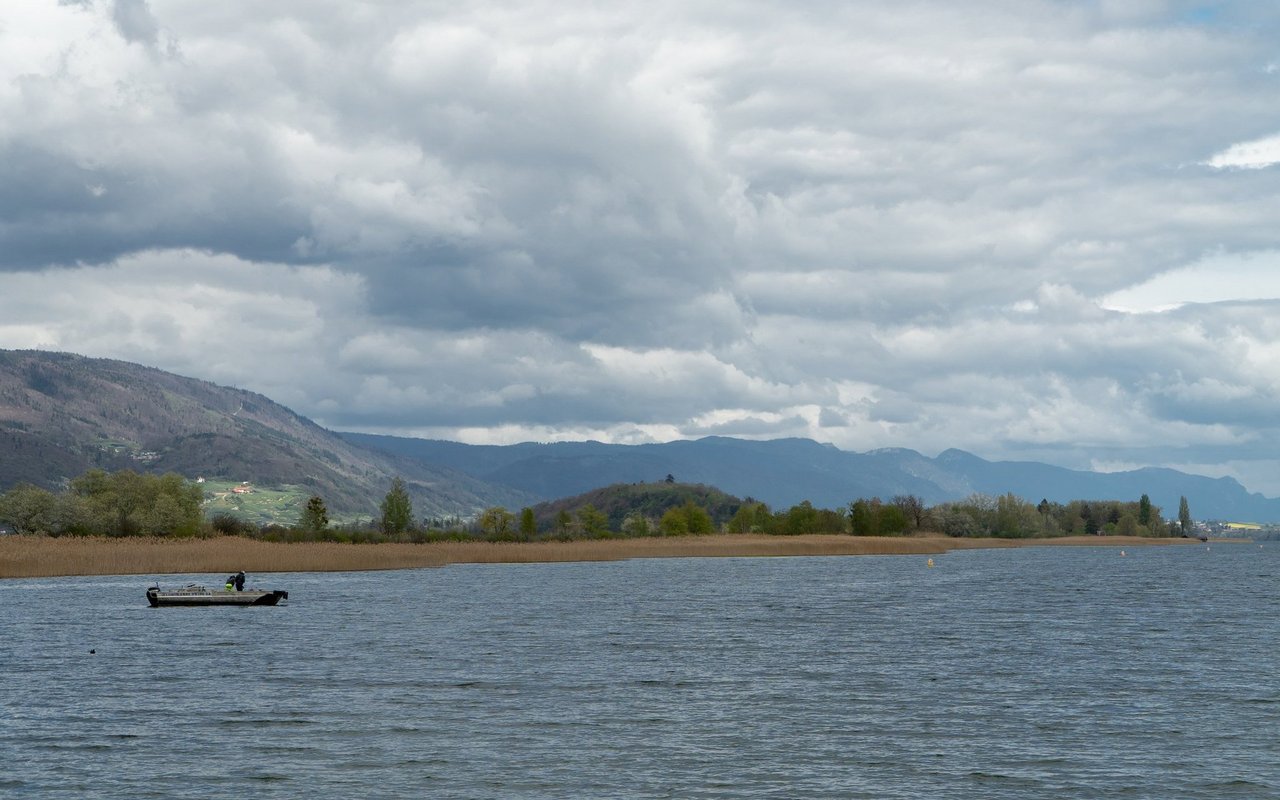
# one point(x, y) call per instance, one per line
point(231, 525)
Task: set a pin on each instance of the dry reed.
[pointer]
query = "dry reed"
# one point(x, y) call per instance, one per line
point(41, 556)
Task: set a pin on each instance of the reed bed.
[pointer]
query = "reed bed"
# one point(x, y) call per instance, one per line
point(37, 556)
point(42, 556)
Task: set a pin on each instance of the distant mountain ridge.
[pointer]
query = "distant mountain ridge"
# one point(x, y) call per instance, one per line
point(63, 414)
point(783, 472)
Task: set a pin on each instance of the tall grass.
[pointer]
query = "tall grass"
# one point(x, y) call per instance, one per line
point(36, 556)
point(42, 556)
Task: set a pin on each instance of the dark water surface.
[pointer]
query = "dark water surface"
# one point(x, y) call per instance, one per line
point(1027, 673)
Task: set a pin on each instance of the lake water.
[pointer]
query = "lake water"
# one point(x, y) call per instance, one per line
point(1026, 673)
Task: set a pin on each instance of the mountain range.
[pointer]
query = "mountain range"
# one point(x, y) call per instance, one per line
point(62, 414)
point(783, 472)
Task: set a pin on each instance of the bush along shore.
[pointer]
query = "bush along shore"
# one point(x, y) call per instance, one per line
point(159, 521)
point(126, 503)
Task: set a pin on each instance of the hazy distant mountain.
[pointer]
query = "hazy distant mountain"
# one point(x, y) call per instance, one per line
point(783, 472)
point(62, 414)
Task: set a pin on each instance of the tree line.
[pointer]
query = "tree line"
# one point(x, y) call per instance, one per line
point(127, 503)
point(1006, 516)
point(124, 503)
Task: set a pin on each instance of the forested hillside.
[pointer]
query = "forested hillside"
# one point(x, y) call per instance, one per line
point(622, 502)
point(62, 414)
point(783, 472)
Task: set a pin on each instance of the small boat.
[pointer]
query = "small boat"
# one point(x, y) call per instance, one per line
point(195, 595)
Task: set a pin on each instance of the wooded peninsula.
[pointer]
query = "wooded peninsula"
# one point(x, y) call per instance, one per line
point(129, 523)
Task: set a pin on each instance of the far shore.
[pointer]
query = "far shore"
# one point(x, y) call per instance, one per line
point(42, 556)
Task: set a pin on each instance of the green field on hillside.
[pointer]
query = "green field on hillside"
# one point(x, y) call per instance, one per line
point(261, 505)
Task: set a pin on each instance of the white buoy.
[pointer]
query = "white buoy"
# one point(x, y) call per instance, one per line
point(931, 562)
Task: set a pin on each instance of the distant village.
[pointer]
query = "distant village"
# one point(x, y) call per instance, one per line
point(141, 456)
point(244, 487)
point(1230, 530)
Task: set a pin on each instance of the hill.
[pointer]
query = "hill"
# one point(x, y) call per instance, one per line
point(784, 472)
point(650, 500)
point(62, 414)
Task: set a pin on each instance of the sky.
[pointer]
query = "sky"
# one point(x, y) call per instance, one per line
point(1030, 229)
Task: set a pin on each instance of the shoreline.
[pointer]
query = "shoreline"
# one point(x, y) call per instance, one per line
point(46, 557)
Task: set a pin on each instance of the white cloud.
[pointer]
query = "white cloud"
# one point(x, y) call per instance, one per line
point(879, 225)
point(1255, 154)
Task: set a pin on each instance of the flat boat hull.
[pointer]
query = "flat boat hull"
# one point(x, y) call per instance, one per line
point(200, 596)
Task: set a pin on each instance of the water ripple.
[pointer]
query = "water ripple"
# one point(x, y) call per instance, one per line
point(1005, 674)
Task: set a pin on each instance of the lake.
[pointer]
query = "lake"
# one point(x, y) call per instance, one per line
point(1021, 673)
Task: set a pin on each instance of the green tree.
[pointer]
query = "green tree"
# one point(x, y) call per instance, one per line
point(231, 525)
point(174, 505)
point(698, 520)
point(167, 516)
point(893, 521)
point(1127, 526)
point(593, 522)
point(1184, 516)
point(397, 509)
point(1011, 516)
point(673, 522)
point(497, 522)
point(751, 517)
point(684, 519)
point(1091, 525)
point(1144, 511)
point(862, 518)
point(636, 524)
point(125, 503)
point(315, 515)
point(800, 519)
point(742, 520)
point(528, 523)
point(114, 500)
point(75, 515)
point(30, 509)
point(563, 521)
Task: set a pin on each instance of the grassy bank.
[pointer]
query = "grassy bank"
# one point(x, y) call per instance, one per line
point(40, 556)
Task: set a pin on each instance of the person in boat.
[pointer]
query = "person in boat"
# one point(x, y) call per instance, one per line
point(236, 582)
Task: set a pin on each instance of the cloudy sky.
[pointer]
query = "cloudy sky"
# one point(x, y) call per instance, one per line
point(1032, 229)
